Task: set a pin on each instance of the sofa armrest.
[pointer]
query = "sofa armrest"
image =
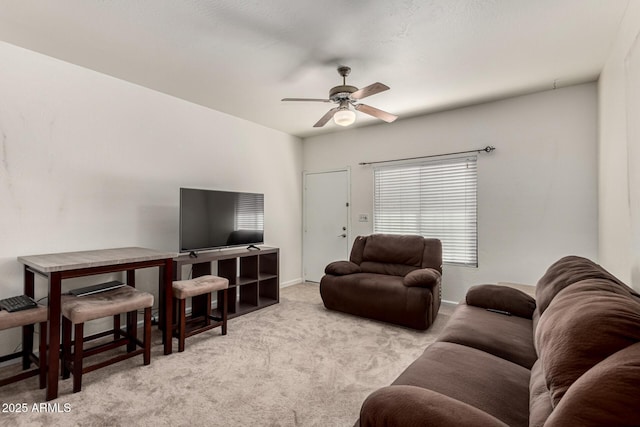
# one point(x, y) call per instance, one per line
point(404, 405)
point(424, 278)
point(342, 268)
point(503, 298)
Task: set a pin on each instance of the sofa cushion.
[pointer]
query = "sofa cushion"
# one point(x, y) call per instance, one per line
point(584, 324)
point(502, 298)
point(386, 268)
point(567, 271)
point(539, 400)
point(606, 395)
point(357, 249)
point(394, 249)
point(507, 337)
point(432, 256)
point(379, 297)
point(472, 376)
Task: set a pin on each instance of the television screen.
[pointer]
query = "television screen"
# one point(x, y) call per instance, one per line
point(211, 219)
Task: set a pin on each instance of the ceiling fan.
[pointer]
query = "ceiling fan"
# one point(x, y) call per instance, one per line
point(345, 96)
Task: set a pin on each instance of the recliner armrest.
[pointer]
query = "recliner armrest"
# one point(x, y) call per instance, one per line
point(503, 298)
point(342, 268)
point(424, 278)
point(405, 405)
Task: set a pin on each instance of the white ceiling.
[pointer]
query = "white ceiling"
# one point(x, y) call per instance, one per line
point(242, 56)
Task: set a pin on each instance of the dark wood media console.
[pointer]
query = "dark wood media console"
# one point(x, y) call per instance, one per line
point(254, 277)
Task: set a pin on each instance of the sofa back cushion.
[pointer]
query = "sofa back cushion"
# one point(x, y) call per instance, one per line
point(539, 401)
point(606, 395)
point(582, 326)
point(396, 255)
point(567, 271)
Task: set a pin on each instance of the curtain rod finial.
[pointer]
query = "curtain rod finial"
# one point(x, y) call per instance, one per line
point(489, 148)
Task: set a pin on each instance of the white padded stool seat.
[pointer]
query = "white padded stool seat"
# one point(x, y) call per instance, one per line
point(22, 317)
point(183, 289)
point(104, 304)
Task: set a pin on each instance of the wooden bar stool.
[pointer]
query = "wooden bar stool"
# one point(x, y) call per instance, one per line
point(78, 310)
point(27, 319)
point(183, 289)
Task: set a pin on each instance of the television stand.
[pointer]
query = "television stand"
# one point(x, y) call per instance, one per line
point(253, 247)
point(193, 254)
point(254, 277)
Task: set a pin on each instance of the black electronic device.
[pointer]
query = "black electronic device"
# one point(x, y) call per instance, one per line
point(94, 289)
point(213, 219)
point(17, 303)
point(494, 310)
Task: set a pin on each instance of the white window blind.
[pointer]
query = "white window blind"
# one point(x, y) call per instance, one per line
point(249, 211)
point(436, 199)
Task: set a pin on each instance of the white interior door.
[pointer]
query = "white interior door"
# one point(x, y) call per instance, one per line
point(326, 225)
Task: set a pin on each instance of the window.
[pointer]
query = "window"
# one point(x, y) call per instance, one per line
point(436, 199)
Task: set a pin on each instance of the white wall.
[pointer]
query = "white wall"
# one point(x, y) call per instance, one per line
point(619, 147)
point(88, 161)
point(537, 193)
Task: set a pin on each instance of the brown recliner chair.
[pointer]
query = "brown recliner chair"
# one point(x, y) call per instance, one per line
point(392, 278)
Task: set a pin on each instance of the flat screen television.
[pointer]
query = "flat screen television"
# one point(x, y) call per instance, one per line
point(212, 219)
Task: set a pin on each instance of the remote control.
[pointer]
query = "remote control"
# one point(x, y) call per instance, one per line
point(506, 313)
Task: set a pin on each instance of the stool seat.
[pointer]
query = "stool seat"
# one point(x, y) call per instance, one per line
point(104, 304)
point(200, 285)
point(27, 319)
point(22, 317)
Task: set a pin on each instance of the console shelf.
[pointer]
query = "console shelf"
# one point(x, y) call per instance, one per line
point(254, 277)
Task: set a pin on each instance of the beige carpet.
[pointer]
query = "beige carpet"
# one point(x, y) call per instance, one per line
point(292, 364)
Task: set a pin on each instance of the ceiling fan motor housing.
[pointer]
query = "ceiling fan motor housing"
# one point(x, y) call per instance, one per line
point(342, 92)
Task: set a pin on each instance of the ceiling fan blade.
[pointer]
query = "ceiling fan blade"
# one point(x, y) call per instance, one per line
point(323, 121)
point(369, 90)
point(306, 99)
point(372, 111)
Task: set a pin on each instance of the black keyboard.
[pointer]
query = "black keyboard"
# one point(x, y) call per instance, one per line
point(94, 289)
point(21, 302)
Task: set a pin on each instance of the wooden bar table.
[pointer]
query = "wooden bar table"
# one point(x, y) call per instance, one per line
point(60, 266)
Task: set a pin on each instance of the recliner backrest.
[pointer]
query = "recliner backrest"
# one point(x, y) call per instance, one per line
point(396, 255)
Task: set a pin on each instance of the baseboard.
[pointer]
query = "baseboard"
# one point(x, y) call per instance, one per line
point(450, 302)
point(291, 282)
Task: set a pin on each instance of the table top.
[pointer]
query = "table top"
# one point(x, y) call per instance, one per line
point(48, 263)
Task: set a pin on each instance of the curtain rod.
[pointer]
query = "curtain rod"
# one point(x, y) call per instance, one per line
point(486, 149)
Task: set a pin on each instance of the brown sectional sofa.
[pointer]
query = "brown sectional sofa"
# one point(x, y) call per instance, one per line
point(391, 278)
point(572, 359)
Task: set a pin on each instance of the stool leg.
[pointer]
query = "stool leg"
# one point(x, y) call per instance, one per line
point(77, 357)
point(116, 326)
point(66, 347)
point(27, 346)
point(182, 310)
point(207, 313)
point(42, 355)
point(225, 311)
point(147, 335)
point(132, 330)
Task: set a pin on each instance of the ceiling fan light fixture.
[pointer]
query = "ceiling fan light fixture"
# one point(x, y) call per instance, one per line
point(344, 117)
